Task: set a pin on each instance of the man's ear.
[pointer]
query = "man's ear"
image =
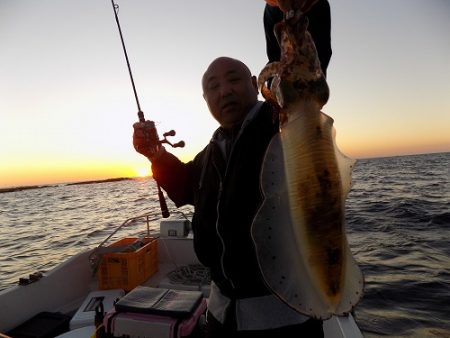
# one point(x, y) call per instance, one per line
point(255, 83)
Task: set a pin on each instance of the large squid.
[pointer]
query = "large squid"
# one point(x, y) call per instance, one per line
point(299, 231)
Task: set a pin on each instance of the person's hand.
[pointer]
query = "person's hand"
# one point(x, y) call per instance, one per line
point(287, 5)
point(145, 140)
point(273, 3)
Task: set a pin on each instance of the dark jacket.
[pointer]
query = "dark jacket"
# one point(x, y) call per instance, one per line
point(226, 197)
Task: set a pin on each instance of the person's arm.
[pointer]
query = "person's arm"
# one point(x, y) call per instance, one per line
point(319, 27)
point(175, 177)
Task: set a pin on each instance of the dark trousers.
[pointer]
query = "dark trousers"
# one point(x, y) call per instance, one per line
point(312, 328)
point(319, 27)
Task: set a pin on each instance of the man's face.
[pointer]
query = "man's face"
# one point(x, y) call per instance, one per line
point(229, 90)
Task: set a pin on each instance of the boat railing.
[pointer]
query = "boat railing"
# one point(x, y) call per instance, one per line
point(101, 249)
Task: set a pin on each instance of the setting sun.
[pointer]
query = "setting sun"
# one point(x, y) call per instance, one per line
point(143, 172)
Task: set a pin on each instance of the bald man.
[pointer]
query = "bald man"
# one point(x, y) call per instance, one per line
point(222, 183)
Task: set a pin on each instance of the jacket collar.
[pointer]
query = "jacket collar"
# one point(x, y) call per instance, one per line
point(226, 138)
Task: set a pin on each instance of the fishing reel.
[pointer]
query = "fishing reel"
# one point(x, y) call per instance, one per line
point(153, 133)
point(179, 144)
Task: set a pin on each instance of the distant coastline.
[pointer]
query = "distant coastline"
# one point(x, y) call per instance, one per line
point(13, 189)
point(20, 188)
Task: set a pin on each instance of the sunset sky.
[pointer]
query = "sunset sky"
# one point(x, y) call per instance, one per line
point(67, 107)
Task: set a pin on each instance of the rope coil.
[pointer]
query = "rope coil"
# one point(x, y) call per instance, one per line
point(192, 274)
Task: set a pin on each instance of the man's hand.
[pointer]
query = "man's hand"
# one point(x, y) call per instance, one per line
point(287, 5)
point(146, 141)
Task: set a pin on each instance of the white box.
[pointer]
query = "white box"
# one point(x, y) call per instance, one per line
point(174, 228)
point(85, 316)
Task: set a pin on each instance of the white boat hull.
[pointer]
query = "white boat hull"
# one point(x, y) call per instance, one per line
point(65, 288)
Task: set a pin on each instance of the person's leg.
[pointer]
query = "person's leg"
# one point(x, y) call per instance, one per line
point(312, 328)
point(215, 329)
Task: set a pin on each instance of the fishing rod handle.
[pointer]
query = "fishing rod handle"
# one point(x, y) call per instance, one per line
point(141, 116)
point(155, 144)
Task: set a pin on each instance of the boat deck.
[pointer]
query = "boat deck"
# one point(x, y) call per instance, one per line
point(65, 288)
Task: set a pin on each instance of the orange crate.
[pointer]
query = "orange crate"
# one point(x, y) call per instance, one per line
point(126, 270)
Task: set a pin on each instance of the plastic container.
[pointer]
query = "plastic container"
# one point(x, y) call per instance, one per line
point(126, 270)
point(141, 325)
point(85, 315)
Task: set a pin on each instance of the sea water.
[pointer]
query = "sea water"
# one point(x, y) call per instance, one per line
point(398, 227)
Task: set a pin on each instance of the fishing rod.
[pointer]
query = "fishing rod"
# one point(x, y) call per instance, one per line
point(153, 134)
